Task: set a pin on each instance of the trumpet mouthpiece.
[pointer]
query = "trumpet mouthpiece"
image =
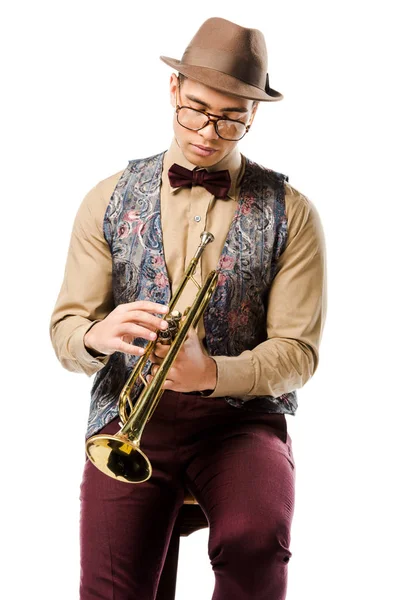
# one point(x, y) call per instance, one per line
point(206, 237)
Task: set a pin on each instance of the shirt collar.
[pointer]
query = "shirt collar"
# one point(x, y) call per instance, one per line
point(233, 162)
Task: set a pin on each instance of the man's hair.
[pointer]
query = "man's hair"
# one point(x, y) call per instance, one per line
point(182, 78)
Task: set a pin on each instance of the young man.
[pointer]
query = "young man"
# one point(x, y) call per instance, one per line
point(220, 427)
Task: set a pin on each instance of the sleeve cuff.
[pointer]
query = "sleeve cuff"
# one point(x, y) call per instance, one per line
point(235, 375)
point(90, 364)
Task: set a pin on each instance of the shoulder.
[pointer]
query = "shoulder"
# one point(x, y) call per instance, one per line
point(105, 187)
point(296, 202)
point(98, 197)
point(103, 190)
point(302, 214)
point(94, 204)
point(303, 219)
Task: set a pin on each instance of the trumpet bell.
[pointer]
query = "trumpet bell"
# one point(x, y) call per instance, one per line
point(119, 458)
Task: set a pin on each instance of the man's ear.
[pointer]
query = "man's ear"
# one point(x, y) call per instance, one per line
point(253, 111)
point(173, 84)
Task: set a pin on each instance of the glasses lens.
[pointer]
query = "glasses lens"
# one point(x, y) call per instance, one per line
point(191, 118)
point(231, 130)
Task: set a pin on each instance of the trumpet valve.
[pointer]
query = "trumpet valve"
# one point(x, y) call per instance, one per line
point(168, 335)
point(164, 337)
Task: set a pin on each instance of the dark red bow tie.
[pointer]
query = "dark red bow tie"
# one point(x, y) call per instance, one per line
point(216, 182)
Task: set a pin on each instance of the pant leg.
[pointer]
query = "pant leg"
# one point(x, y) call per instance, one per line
point(244, 480)
point(167, 583)
point(126, 528)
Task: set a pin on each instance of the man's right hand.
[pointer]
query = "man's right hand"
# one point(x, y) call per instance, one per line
point(125, 323)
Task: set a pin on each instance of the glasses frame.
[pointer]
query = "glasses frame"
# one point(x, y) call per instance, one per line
point(214, 122)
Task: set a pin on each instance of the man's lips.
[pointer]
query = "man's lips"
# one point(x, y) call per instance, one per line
point(205, 149)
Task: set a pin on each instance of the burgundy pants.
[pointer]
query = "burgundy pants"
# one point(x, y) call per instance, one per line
point(238, 465)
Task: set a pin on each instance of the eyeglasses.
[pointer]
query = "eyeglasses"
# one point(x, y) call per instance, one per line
point(227, 129)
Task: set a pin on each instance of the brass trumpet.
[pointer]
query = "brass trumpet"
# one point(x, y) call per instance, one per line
point(119, 455)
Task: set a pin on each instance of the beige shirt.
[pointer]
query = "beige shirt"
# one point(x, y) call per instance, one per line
point(297, 300)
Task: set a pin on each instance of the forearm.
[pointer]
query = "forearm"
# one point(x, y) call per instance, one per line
point(68, 342)
point(275, 367)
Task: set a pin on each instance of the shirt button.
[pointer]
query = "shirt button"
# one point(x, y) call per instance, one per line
point(197, 218)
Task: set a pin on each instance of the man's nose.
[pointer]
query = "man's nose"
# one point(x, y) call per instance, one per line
point(208, 132)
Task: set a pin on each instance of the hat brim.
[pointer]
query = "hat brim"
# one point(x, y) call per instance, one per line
point(222, 81)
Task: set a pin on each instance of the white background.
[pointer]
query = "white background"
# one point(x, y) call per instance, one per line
point(83, 92)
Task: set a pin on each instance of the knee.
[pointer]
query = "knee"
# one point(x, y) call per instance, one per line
point(249, 543)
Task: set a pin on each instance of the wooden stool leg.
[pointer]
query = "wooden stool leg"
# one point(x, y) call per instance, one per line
point(167, 583)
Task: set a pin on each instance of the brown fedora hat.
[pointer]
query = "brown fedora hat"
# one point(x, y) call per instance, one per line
point(229, 58)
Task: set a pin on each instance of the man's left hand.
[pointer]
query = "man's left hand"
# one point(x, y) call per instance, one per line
point(193, 370)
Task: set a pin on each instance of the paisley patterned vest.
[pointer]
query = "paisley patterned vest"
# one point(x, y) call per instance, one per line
point(235, 317)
